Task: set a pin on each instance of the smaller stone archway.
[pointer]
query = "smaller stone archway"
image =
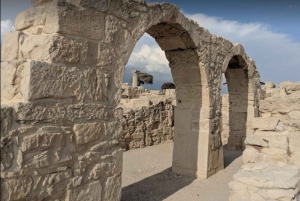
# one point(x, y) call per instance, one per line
point(243, 84)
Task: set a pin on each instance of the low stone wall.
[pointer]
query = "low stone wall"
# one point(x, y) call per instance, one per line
point(149, 125)
point(272, 154)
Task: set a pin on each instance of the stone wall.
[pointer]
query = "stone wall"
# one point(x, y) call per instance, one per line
point(147, 126)
point(272, 154)
point(132, 92)
point(61, 80)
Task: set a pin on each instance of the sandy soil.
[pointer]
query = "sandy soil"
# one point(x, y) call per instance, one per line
point(147, 176)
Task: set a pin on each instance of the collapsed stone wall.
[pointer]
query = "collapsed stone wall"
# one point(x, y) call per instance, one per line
point(132, 92)
point(147, 126)
point(272, 154)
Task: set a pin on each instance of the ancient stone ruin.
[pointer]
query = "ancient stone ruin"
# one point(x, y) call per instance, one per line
point(61, 80)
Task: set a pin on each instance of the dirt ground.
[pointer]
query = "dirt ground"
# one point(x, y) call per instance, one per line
point(147, 176)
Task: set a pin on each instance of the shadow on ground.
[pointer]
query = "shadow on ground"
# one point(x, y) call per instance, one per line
point(230, 155)
point(155, 188)
point(162, 185)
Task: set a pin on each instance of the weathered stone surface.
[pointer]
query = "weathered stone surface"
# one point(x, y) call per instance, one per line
point(10, 81)
point(39, 112)
point(49, 157)
point(7, 152)
point(265, 124)
point(16, 188)
point(266, 180)
point(39, 2)
point(112, 189)
point(101, 171)
point(147, 126)
point(10, 46)
point(88, 132)
point(101, 5)
point(7, 120)
point(67, 18)
point(33, 16)
point(294, 139)
point(89, 191)
point(42, 141)
point(42, 80)
point(281, 105)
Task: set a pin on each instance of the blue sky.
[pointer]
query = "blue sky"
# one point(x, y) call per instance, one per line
point(268, 29)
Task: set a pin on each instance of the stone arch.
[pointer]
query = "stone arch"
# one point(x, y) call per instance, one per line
point(242, 87)
point(61, 80)
point(179, 38)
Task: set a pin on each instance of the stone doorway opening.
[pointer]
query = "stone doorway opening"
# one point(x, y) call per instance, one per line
point(191, 120)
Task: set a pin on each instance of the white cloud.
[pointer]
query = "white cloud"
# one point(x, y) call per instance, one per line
point(148, 57)
point(6, 25)
point(277, 56)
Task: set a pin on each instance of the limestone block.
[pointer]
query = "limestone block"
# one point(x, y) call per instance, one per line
point(88, 132)
point(282, 194)
point(265, 124)
point(91, 111)
point(33, 16)
point(16, 188)
point(112, 189)
point(255, 140)
point(101, 5)
point(89, 191)
point(124, 46)
point(7, 120)
point(10, 46)
point(9, 81)
point(183, 59)
point(294, 114)
point(7, 153)
point(101, 171)
point(191, 75)
point(270, 85)
point(44, 140)
point(267, 176)
point(51, 156)
point(118, 155)
point(75, 21)
point(272, 141)
point(251, 155)
point(94, 85)
point(39, 2)
point(291, 125)
point(294, 140)
point(43, 80)
point(295, 87)
point(281, 105)
point(39, 112)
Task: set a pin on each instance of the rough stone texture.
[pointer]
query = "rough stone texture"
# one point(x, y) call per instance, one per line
point(272, 170)
point(265, 124)
point(63, 78)
point(148, 125)
point(10, 46)
point(265, 181)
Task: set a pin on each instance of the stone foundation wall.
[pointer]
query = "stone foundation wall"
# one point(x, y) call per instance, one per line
point(272, 154)
point(147, 126)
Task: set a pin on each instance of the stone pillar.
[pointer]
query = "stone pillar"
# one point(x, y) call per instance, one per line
point(58, 94)
point(134, 78)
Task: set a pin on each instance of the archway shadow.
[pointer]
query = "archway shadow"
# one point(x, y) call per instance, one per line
point(230, 155)
point(156, 187)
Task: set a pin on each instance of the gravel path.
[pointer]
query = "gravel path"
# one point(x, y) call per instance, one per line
point(147, 176)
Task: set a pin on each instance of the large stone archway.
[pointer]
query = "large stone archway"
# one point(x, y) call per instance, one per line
point(61, 79)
